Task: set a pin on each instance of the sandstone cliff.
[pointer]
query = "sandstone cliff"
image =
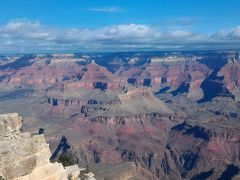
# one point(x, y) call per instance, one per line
point(26, 157)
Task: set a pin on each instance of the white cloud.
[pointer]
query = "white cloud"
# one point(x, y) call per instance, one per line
point(112, 9)
point(235, 32)
point(31, 36)
point(179, 34)
point(127, 32)
point(21, 24)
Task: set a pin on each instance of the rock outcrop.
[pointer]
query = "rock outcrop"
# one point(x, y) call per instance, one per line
point(9, 123)
point(26, 157)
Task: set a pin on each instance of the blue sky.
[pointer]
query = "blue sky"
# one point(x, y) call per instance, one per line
point(112, 25)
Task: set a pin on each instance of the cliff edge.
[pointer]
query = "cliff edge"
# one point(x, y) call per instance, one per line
point(26, 157)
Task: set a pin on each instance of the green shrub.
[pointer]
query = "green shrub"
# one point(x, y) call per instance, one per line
point(67, 159)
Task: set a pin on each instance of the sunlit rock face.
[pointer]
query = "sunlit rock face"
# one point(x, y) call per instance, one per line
point(10, 123)
point(26, 157)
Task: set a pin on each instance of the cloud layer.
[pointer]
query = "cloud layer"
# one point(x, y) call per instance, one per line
point(31, 36)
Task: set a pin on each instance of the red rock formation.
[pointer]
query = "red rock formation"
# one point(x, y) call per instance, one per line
point(231, 74)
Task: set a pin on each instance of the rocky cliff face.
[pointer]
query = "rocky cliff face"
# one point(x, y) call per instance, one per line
point(26, 157)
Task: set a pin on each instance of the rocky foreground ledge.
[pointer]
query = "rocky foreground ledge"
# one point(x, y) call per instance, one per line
point(26, 157)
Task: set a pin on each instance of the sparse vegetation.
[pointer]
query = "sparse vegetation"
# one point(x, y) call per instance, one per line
point(1, 178)
point(70, 177)
point(67, 159)
point(87, 166)
point(83, 173)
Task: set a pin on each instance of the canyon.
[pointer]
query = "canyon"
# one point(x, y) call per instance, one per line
point(134, 115)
